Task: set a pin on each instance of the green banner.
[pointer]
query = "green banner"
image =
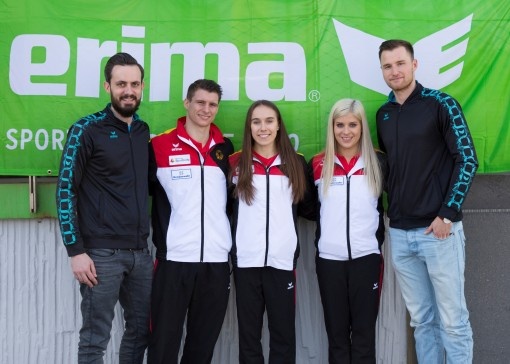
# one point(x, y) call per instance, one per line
point(303, 55)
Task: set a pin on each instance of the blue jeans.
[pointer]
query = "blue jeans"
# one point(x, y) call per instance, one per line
point(125, 276)
point(430, 272)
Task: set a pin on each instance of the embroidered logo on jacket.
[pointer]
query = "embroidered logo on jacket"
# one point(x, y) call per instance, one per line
point(176, 147)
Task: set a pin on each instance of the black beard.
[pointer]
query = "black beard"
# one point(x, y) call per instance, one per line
point(126, 112)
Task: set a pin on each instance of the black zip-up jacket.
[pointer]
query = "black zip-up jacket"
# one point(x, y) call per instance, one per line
point(431, 157)
point(102, 187)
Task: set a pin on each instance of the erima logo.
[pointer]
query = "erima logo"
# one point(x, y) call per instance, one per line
point(290, 285)
point(234, 73)
point(113, 135)
point(361, 50)
point(376, 286)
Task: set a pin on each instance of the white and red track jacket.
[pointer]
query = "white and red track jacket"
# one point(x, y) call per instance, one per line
point(350, 223)
point(265, 233)
point(189, 191)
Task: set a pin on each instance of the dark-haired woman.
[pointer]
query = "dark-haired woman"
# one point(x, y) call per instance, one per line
point(269, 181)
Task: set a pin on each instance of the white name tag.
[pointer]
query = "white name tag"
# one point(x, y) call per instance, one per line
point(337, 180)
point(181, 174)
point(179, 160)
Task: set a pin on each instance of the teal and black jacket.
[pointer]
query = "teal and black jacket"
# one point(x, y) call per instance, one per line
point(102, 187)
point(431, 157)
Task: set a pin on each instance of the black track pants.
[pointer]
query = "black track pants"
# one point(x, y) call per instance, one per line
point(271, 289)
point(199, 290)
point(350, 293)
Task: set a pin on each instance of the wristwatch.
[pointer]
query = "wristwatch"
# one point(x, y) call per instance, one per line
point(447, 221)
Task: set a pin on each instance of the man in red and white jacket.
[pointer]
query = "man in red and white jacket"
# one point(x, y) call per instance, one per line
point(188, 179)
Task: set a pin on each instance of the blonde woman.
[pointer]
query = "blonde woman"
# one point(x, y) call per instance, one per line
point(348, 177)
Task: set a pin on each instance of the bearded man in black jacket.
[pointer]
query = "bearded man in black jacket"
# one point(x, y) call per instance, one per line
point(102, 207)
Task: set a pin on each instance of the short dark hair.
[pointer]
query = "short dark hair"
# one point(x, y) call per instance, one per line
point(120, 59)
point(391, 44)
point(202, 84)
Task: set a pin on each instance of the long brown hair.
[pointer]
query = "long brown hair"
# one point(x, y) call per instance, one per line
point(291, 165)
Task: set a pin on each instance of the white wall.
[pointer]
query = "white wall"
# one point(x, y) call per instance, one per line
point(40, 316)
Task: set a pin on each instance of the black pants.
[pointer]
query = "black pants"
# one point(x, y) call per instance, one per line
point(350, 293)
point(199, 290)
point(271, 289)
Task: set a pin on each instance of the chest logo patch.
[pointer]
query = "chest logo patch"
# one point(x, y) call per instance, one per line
point(337, 180)
point(179, 160)
point(219, 155)
point(181, 174)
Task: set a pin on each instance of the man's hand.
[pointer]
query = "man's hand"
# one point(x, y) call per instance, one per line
point(440, 229)
point(84, 269)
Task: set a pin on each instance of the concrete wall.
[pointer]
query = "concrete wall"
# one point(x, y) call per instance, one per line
point(487, 227)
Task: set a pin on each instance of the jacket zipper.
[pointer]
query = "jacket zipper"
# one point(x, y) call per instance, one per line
point(348, 216)
point(136, 182)
point(347, 212)
point(397, 166)
point(202, 203)
point(267, 215)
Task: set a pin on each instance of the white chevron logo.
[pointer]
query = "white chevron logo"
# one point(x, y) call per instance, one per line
point(433, 53)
